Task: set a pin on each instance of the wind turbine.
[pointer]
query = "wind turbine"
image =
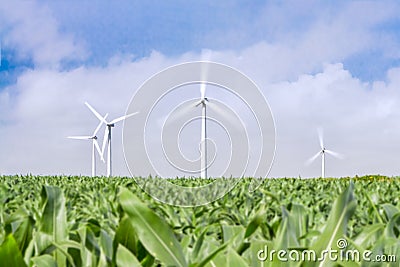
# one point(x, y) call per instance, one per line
point(203, 145)
point(205, 104)
point(322, 153)
point(95, 145)
point(107, 134)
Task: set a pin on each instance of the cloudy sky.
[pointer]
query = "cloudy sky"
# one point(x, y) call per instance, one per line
point(334, 65)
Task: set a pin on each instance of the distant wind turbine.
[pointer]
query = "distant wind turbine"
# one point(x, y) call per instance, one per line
point(107, 134)
point(322, 153)
point(95, 145)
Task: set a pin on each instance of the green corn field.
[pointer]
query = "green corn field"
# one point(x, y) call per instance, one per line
point(82, 221)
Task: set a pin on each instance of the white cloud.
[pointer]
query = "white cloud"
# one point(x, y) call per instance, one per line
point(359, 121)
point(359, 118)
point(33, 32)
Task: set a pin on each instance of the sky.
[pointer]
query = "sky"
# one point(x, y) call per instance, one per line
point(333, 65)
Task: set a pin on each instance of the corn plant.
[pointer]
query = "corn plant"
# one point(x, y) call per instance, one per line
point(82, 221)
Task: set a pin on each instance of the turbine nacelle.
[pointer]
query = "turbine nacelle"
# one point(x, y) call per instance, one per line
point(202, 102)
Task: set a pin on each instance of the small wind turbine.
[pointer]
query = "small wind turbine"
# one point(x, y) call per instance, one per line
point(203, 145)
point(322, 153)
point(95, 145)
point(107, 134)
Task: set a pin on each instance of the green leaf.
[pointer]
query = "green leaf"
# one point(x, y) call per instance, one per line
point(125, 235)
point(369, 235)
point(10, 255)
point(90, 242)
point(106, 245)
point(21, 225)
point(198, 245)
point(298, 218)
point(44, 261)
point(233, 259)
point(83, 252)
point(126, 258)
point(255, 223)
point(230, 232)
point(211, 256)
point(373, 204)
point(63, 249)
point(390, 210)
point(155, 235)
point(286, 234)
point(53, 223)
point(393, 227)
point(336, 225)
point(256, 247)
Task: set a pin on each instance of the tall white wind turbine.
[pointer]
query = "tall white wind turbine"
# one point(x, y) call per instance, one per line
point(322, 153)
point(107, 134)
point(203, 136)
point(95, 145)
point(206, 104)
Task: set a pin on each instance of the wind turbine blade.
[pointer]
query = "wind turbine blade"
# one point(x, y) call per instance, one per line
point(123, 118)
point(83, 137)
point(95, 113)
point(198, 103)
point(321, 137)
point(313, 158)
point(180, 112)
point(104, 140)
point(99, 125)
point(230, 117)
point(96, 144)
point(335, 154)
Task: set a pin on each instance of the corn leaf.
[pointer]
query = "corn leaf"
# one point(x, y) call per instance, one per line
point(155, 235)
point(126, 258)
point(44, 261)
point(335, 228)
point(53, 223)
point(10, 255)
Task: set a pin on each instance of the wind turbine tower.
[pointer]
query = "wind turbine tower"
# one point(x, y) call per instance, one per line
point(203, 144)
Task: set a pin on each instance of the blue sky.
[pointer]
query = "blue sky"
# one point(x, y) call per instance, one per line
point(304, 55)
point(105, 29)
